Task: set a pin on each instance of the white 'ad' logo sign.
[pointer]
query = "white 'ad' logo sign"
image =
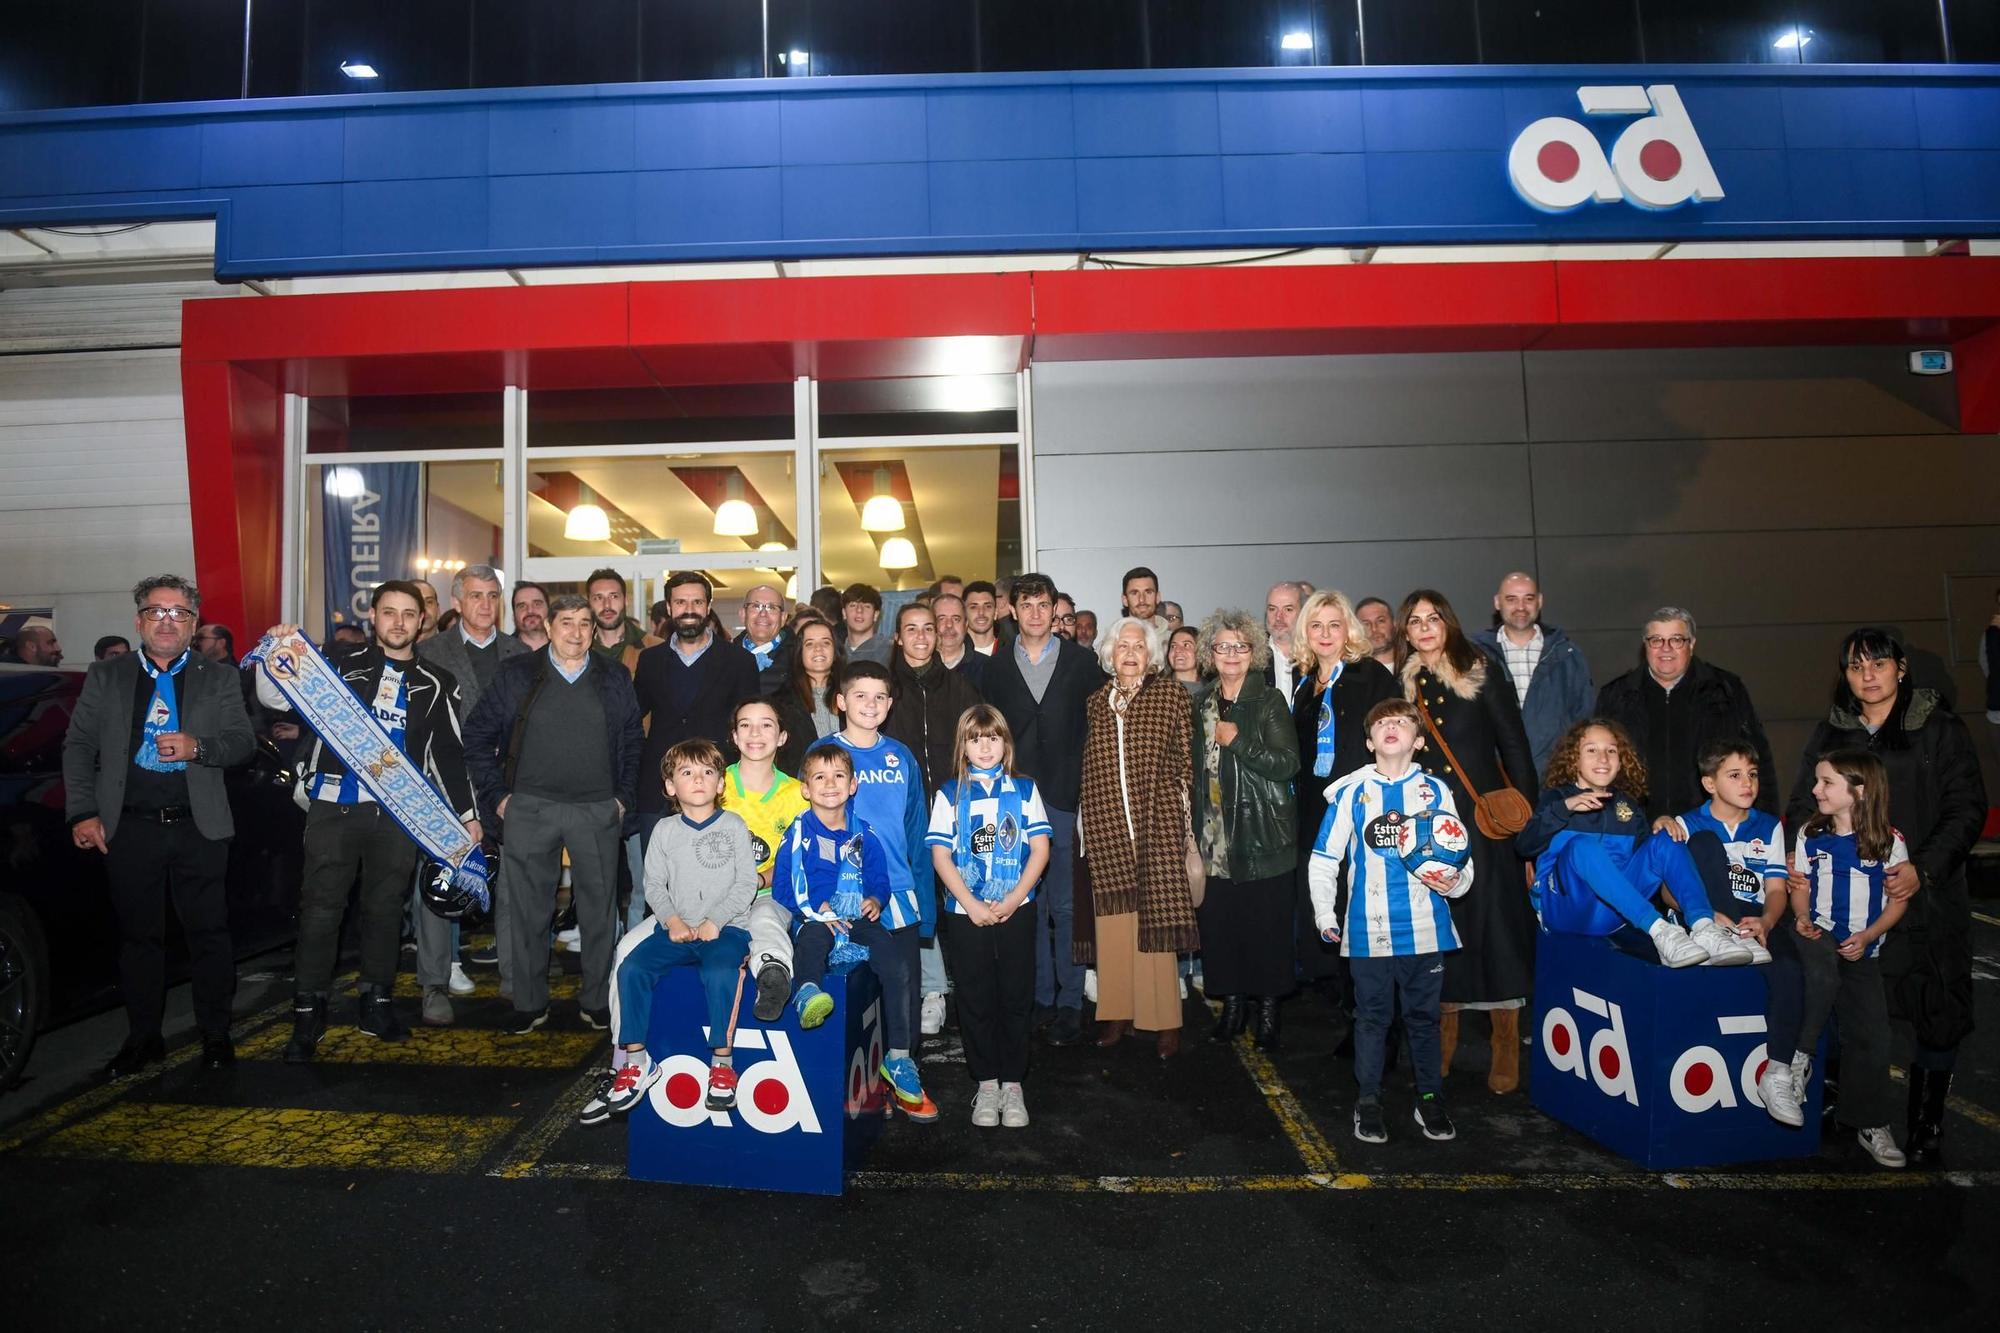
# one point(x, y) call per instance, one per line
point(1557, 164)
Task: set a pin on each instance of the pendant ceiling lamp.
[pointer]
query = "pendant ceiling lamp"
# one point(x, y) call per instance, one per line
point(898, 553)
point(587, 522)
point(734, 517)
point(883, 512)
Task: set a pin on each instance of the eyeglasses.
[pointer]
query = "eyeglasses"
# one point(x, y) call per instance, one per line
point(763, 606)
point(180, 615)
point(1065, 620)
point(1677, 642)
point(1229, 649)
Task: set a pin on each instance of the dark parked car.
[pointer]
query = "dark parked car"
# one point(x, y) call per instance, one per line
point(58, 938)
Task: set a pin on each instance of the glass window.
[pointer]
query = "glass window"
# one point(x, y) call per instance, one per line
point(78, 53)
point(700, 39)
point(403, 421)
point(1742, 32)
point(1975, 30)
point(930, 405)
point(369, 522)
point(193, 50)
point(1062, 34)
point(650, 501)
point(519, 45)
point(960, 510)
point(691, 414)
point(1419, 32)
point(1870, 31)
point(1552, 32)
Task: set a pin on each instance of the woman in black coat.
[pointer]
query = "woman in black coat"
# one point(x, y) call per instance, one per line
point(1937, 801)
point(930, 697)
point(1470, 701)
point(805, 700)
point(1339, 679)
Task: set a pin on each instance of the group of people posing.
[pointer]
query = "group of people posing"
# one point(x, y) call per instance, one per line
point(970, 802)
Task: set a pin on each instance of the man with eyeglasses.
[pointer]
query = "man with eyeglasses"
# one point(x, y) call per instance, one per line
point(1674, 705)
point(1065, 617)
point(142, 768)
point(763, 635)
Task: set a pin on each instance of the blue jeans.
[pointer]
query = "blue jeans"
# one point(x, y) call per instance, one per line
point(721, 964)
point(1058, 976)
point(1593, 895)
point(893, 956)
point(1416, 981)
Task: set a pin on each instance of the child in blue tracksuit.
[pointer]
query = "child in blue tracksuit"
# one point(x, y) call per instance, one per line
point(890, 800)
point(834, 874)
point(1596, 864)
point(1396, 928)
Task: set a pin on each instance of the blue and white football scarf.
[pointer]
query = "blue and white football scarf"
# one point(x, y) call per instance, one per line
point(998, 845)
point(1323, 746)
point(350, 729)
point(847, 894)
point(163, 715)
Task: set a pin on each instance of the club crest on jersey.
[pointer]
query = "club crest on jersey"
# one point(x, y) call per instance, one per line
point(1010, 834)
point(1624, 813)
point(890, 761)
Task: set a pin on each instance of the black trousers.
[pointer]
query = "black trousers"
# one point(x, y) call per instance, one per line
point(1784, 976)
point(342, 841)
point(148, 861)
point(1246, 936)
point(993, 976)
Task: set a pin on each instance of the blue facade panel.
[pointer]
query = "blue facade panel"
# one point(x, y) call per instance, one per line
point(992, 163)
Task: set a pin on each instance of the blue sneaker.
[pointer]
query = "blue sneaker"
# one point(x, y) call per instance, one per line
point(814, 1006)
point(901, 1071)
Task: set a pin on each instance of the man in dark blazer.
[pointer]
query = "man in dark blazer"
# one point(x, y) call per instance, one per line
point(1040, 684)
point(472, 651)
point(687, 687)
point(142, 771)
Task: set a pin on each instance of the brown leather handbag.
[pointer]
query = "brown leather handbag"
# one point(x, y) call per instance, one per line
point(1500, 813)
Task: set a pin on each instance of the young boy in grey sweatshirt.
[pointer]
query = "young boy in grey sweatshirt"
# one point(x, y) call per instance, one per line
point(701, 876)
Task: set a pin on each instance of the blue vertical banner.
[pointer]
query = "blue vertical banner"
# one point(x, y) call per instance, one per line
point(370, 530)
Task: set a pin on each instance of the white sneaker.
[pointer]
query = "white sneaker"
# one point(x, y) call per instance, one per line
point(1675, 948)
point(1880, 1144)
point(986, 1108)
point(1801, 1073)
point(1013, 1107)
point(1090, 984)
point(931, 1017)
point(1759, 955)
point(571, 939)
point(1723, 947)
point(1183, 988)
point(1780, 1098)
point(461, 984)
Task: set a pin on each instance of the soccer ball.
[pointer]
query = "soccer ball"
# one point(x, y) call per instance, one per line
point(1434, 847)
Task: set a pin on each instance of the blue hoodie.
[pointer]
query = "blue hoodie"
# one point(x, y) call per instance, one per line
point(890, 800)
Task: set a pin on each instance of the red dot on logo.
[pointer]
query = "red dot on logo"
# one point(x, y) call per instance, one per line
point(1698, 1080)
point(1764, 1065)
point(1560, 1040)
point(772, 1097)
point(683, 1090)
point(1660, 160)
point(1558, 162)
point(1607, 1062)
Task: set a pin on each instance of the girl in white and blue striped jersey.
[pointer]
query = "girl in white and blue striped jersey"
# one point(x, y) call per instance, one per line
point(989, 841)
point(1844, 853)
point(1406, 851)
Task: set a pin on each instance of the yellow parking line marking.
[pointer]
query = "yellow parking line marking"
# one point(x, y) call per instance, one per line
point(524, 1156)
point(267, 1137)
point(1972, 1111)
point(463, 1047)
point(1989, 920)
point(1311, 1145)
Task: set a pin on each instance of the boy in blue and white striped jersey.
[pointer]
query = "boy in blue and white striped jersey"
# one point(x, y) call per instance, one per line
point(1396, 928)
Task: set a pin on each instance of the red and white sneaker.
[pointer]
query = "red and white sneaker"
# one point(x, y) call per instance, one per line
point(721, 1088)
point(630, 1084)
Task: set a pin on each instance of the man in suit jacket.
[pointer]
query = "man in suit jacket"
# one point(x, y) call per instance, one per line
point(142, 772)
point(1040, 684)
point(472, 651)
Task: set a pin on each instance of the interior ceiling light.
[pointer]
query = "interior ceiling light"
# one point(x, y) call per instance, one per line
point(792, 587)
point(898, 553)
point(344, 483)
point(883, 512)
point(774, 546)
point(1296, 41)
point(735, 518)
point(358, 69)
point(1792, 39)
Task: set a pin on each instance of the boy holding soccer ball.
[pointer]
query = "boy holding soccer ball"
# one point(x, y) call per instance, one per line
point(1406, 851)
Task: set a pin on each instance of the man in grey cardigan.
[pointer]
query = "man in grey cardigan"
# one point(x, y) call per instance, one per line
point(142, 772)
point(472, 652)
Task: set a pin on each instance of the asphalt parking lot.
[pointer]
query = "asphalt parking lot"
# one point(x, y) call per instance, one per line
point(445, 1182)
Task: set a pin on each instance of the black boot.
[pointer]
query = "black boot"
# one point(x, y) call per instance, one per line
point(1928, 1090)
point(1267, 1022)
point(308, 1026)
point(1234, 1018)
point(376, 1015)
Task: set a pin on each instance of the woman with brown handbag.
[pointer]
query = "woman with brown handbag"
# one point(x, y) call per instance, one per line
point(1474, 740)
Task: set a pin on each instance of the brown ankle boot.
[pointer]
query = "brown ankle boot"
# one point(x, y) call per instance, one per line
point(1505, 1075)
point(1447, 1040)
